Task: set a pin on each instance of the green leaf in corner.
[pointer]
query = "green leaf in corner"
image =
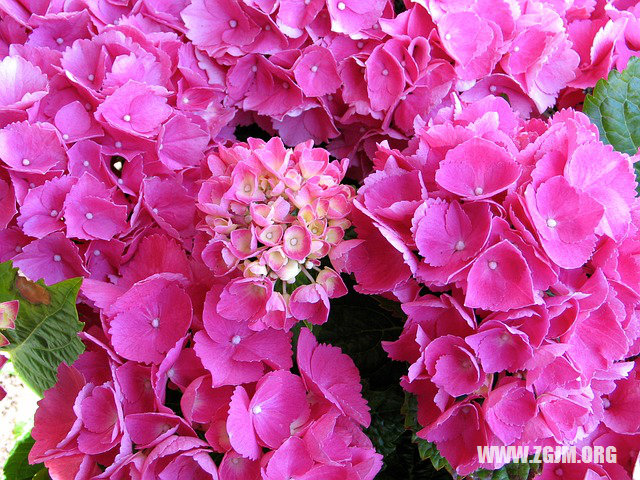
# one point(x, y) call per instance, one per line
point(614, 107)
point(47, 327)
point(17, 466)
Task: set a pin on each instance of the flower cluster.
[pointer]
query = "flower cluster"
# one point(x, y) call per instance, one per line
point(525, 234)
point(273, 214)
point(166, 382)
point(8, 315)
point(347, 72)
point(119, 164)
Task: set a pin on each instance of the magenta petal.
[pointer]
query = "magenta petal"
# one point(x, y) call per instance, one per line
point(279, 401)
point(239, 425)
point(500, 280)
point(340, 384)
point(21, 83)
point(477, 169)
point(27, 147)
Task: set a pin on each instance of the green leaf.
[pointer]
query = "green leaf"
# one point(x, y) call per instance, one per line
point(17, 466)
point(614, 107)
point(47, 327)
point(387, 425)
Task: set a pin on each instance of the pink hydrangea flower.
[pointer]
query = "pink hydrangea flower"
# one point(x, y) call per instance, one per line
point(526, 270)
point(273, 216)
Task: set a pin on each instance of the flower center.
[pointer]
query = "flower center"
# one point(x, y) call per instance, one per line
point(493, 265)
point(460, 245)
point(236, 339)
point(552, 223)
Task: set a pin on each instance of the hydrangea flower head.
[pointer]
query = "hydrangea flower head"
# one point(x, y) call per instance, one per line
point(273, 215)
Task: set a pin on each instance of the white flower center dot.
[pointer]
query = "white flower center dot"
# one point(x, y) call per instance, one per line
point(185, 100)
point(233, 23)
point(516, 49)
point(315, 230)
point(257, 409)
point(247, 188)
point(307, 2)
point(155, 210)
point(236, 339)
point(26, 162)
point(96, 253)
point(85, 163)
point(447, 36)
point(269, 236)
point(91, 77)
point(606, 403)
point(57, 258)
point(293, 242)
point(493, 265)
point(460, 245)
point(89, 215)
point(65, 136)
point(478, 190)
point(155, 322)
point(127, 118)
point(59, 40)
point(54, 213)
point(118, 144)
point(493, 88)
point(551, 223)
point(267, 27)
point(314, 69)
point(385, 72)
point(254, 69)
point(120, 181)
point(341, 6)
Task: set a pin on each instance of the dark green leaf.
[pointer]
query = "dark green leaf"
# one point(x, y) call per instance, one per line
point(17, 466)
point(46, 327)
point(614, 107)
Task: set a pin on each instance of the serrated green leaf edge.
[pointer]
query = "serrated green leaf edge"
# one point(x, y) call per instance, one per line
point(36, 359)
point(609, 108)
